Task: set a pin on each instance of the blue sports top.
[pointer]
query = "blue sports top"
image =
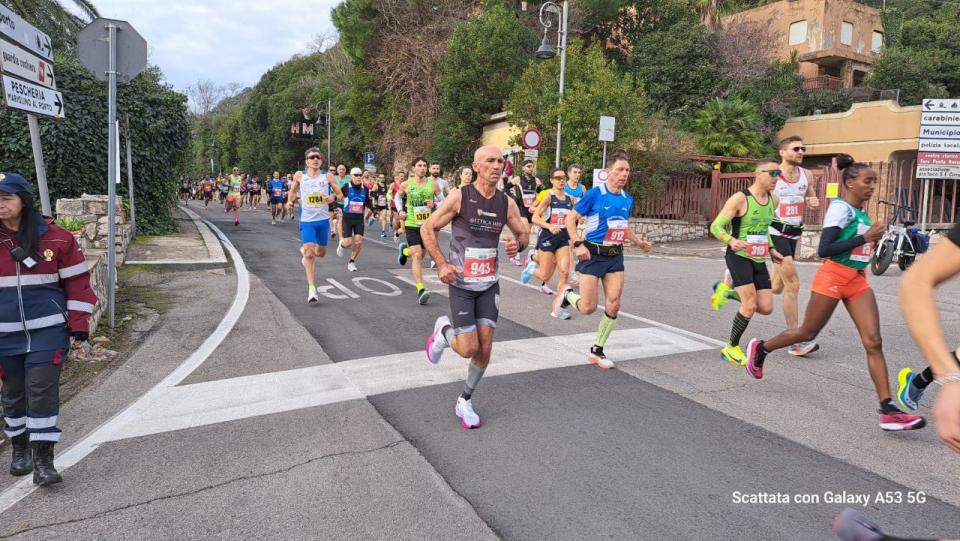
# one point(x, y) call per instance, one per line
point(576, 193)
point(607, 215)
point(276, 187)
point(354, 199)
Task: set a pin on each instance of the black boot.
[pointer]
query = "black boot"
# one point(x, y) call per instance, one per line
point(43, 471)
point(22, 462)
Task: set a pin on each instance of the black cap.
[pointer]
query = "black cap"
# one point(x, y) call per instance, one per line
point(528, 161)
point(13, 183)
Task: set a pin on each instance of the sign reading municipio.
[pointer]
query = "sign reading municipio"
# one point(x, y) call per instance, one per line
point(32, 98)
point(938, 155)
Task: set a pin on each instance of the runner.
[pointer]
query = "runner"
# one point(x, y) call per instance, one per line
point(465, 175)
point(356, 202)
point(255, 193)
point(478, 213)
point(316, 191)
point(207, 188)
point(846, 244)
point(335, 211)
point(392, 191)
point(575, 190)
point(378, 195)
point(920, 312)
point(185, 189)
point(276, 188)
point(748, 214)
point(523, 189)
point(794, 194)
point(600, 252)
point(420, 193)
point(553, 250)
point(368, 184)
point(235, 196)
point(435, 171)
point(224, 189)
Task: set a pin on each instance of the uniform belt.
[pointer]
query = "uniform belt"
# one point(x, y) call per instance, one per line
point(787, 229)
point(604, 250)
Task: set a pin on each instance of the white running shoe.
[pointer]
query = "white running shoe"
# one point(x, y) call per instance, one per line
point(433, 264)
point(530, 255)
point(802, 349)
point(468, 417)
point(312, 295)
point(273, 221)
point(436, 342)
point(352, 267)
point(340, 248)
point(545, 289)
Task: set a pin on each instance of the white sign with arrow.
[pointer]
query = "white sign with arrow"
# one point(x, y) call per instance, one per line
point(18, 30)
point(16, 61)
point(32, 98)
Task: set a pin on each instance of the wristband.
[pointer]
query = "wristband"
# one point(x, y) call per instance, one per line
point(577, 243)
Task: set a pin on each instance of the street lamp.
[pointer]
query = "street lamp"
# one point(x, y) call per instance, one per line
point(545, 52)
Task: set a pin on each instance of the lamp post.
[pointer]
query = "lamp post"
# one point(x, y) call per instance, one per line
point(545, 52)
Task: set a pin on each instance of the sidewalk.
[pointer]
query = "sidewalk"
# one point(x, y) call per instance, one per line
point(193, 244)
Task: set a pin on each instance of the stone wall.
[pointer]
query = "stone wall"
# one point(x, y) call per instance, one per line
point(661, 231)
point(92, 211)
point(97, 263)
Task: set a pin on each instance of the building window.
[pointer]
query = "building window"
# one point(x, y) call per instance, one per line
point(846, 33)
point(877, 41)
point(798, 32)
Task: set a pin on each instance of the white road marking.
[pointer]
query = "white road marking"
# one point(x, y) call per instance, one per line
point(104, 432)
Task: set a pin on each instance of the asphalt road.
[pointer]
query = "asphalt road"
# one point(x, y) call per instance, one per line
point(324, 421)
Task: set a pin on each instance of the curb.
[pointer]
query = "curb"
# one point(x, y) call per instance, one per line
point(214, 248)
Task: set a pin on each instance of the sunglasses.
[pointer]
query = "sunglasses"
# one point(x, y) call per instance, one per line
point(559, 178)
point(356, 175)
point(314, 157)
point(799, 149)
point(773, 172)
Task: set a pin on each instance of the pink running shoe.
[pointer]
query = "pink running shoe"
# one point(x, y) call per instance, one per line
point(897, 421)
point(755, 359)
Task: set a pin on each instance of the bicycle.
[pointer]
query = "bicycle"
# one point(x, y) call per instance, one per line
point(900, 241)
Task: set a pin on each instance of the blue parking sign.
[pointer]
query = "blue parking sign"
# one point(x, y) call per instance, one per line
point(369, 158)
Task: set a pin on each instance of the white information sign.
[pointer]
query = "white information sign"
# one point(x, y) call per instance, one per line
point(18, 30)
point(16, 61)
point(939, 147)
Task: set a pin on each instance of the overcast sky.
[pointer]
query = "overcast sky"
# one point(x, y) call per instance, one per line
point(222, 40)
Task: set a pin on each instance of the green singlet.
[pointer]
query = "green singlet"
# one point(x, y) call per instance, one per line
point(753, 228)
point(859, 257)
point(417, 197)
point(236, 185)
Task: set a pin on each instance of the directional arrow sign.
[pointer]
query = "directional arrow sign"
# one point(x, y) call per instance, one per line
point(15, 28)
point(32, 98)
point(16, 61)
point(941, 105)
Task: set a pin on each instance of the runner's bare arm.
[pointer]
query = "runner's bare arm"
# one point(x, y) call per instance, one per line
point(538, 212)
point(733, 207)
point(637, 241)
point(294, 189)
point(919, 306)
point(518, 226)
point(812, 200)
point(570, 222)
point(437, 221)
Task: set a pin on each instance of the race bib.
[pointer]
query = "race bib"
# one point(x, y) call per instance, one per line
point(316, 199)
point(558, 216)
point(479, 265)
point(421, 213)
point(355, 207)
point(529, 198)
point(382, 201)
point(864, 252)
point(758, 246)
point(616, 231)
point(277, 192)
point(790, 209)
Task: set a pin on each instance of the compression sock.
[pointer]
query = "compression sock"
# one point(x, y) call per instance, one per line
point(923, 379)
point(603, 330)
point(406, 252)
point(447, 332)
point(740, 323)
point(419, 286)
point(474, 373)
point(570, 298)
point(887, 406)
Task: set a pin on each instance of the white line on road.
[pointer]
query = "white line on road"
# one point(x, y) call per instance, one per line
point(104, 432)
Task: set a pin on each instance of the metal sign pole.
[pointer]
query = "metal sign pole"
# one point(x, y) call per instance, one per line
point(604, 162)
point(924, 204)
point(38, 164)
point(329, 131)
point(133, 206)
point(112, 175)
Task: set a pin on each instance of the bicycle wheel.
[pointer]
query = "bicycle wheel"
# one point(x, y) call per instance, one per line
point(882, 258)
point(905, 260)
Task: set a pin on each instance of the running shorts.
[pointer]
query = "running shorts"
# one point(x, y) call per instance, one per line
point(601, 265)
point(786, 247)
point(839, 281)
point(747, 271)
point(413, 237)
point(548, 242)
point(208, 195)
point(276, 201)
point(315, 232)
point(470, 309)
point(352, 225)
point(184, 190)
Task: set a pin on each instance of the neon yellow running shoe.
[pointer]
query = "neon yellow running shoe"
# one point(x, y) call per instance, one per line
point(733, 355)
point(720, 295)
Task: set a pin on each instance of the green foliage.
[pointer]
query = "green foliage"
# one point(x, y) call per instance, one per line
point(484, 57)
point(729, 128)
point(75, 148)
point(70, 223)
point(356, 22)
point(775, 96)
point(594, 88)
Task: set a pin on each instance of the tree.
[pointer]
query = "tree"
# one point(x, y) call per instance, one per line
point(484, 57)
point(594, 88)
point(53, 18)
point(729, 128)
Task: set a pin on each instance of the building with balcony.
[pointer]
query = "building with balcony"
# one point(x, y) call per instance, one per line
point(836, 41)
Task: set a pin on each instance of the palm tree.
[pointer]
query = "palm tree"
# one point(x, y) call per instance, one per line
point(54, 18)
point(729, 128)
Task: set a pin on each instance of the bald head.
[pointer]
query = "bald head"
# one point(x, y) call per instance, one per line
point(486, 150)
point(488, 163)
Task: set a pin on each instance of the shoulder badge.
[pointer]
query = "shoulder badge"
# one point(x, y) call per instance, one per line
point(2, 176)
point(48, 255)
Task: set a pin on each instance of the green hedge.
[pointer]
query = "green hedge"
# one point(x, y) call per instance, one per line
point(75, 148)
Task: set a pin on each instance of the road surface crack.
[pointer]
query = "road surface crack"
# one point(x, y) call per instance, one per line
point(204, 488)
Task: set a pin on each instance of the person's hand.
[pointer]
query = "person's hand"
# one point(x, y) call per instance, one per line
point(555, 229)
point(329, 199)
point(431, 203)
point(289, 206)
point(645, 246)
point(515, 181)
point(875, 232)
point(448, 272)
point(776, 256)
point(736, 245)
point(946, 414)
point(403, 215)
point(582, 253)
point(511, 247)
point(813, 201)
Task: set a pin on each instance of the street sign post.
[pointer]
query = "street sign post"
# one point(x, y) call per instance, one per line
point(938, 155)
point(608, 125)
point(531, 139)
point(15, 61)
point(112, 50)
point(27, 53)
